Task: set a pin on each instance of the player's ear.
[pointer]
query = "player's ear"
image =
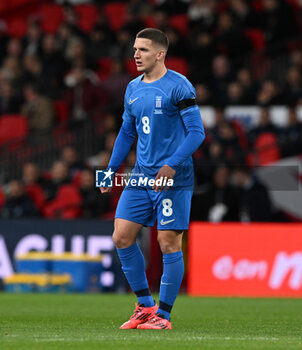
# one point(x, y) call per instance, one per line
point(161, 54)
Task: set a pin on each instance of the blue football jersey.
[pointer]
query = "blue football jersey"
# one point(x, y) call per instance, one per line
point(153, 107)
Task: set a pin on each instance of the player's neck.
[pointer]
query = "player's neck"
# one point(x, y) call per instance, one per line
point(155, 74)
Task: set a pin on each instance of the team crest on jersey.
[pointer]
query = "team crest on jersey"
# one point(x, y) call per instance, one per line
point(158, 105)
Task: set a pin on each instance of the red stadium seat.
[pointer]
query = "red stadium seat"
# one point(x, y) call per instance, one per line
point(105, 67)
point(149, 22)
point(256, 38)
point(257, 5)
point(178, 64)
point(115, 12)
point(61, 110)
point(2, 198)
point(266, 149)
point(51, 17)
point(13, 128)
point(67, 203)
point(88, 14)
point(17, 26)
point(180, 22)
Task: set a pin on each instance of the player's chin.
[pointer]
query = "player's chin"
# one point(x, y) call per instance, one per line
point(140, 68)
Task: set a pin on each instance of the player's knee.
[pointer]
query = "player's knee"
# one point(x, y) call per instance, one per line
point(121, 240)
point(168, 246)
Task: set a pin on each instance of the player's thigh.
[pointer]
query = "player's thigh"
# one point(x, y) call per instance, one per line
point(125, 233)
point(173, 209)
point(135, 206)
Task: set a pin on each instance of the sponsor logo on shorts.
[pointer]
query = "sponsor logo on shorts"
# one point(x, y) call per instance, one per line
point(162, 222)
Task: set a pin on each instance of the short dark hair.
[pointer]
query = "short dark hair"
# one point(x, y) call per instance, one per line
point(155, 35)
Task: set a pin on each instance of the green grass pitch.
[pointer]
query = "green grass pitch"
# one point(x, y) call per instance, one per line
point(73, 321)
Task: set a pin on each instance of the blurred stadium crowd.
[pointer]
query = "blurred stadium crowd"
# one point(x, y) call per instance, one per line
point(64, 68)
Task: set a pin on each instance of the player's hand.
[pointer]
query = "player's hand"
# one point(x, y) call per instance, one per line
point(105, 189)
point(164, 172)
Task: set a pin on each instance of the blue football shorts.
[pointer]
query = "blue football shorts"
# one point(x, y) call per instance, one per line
point(143, 205)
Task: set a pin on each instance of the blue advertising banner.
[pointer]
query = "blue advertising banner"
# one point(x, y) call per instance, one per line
point(59, 236)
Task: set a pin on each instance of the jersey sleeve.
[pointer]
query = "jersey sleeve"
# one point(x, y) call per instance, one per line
point(183, 91)
point(127, 117)
point(185, 100)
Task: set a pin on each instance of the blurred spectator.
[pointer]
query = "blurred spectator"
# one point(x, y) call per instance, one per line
point(205, 167)
point(110, 140)
point(54, 66)
point(249, 86)
point(117, 81)
point(100, 43)
point(293, 87)
point(230, 39)
point(40, 113)
point(295, 58)
point(220, 202)
point(132, 24)
point(203, 95)
point(18, 204)
point(265, 125)
point(11, 70)
point(76, 54)
point(269, 94)
point(229, 141)
point(213, 133)
point(220, 79)
point(103, 159)
point(4, 38)
point(72, 20)
point(130, 162)
point(235, 94)
point(291, 136)
point(202, 14)
point(84, 96)
point(139, 8)
point(202, 52)
point(109, 123)
point(177, 46)
point(278, 23)
point(31, 42)
point(244, 14)
point(161, 19)
point(71, 157)
point(123, 47)
point(10, 102)
point(255, 204)
point(59, 175)
point(173, 7)
point(93, 203)
point(31, 175)
point(63, 37)
point(33, 71)
point(14, 48)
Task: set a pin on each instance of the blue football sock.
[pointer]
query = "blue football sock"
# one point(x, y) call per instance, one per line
point(170, 282)
point(133, 265)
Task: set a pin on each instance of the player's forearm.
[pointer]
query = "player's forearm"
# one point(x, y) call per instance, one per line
point(193, 140)
point(122, 146)
point(186, 149)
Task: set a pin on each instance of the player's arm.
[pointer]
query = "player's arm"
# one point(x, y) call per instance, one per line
point(195, 136)
point(195, 132)
point(122, 146)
